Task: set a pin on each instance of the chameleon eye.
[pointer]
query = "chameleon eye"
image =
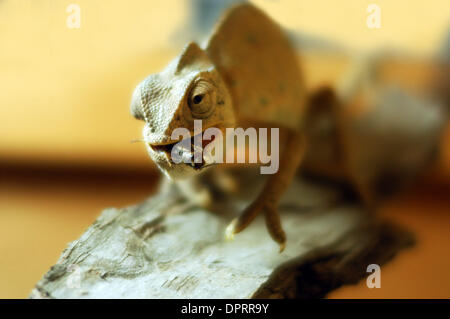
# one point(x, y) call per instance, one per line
point(202, 99)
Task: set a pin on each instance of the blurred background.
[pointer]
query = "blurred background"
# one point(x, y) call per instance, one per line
point(66, 131)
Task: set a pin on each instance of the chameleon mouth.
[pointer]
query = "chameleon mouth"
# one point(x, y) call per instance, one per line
point(186, 150)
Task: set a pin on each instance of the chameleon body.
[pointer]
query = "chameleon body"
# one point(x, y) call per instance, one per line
point(248, 72)
point(260, 68)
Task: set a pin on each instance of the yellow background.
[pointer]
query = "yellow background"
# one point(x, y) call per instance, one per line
point(65, 92)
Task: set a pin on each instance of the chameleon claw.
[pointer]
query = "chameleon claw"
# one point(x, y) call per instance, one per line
point(229, 231)
point(282, 247)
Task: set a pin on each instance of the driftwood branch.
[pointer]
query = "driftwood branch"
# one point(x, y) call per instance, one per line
point(166, 248)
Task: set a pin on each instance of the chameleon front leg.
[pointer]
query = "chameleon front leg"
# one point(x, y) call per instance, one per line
point(195, 191)
point(275, 186)
point(204, 190)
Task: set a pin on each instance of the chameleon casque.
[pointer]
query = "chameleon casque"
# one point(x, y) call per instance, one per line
point(248, 75)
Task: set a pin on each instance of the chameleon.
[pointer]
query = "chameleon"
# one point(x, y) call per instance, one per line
point(247, 72)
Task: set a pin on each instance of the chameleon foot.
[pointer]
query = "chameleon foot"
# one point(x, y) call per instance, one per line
point(240, 223)
point(272, 218)
point(273, 224)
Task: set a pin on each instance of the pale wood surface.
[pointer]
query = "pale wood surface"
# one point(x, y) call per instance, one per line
point(165, 248)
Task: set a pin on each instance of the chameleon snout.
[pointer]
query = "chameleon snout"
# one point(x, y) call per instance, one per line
point(182, 158)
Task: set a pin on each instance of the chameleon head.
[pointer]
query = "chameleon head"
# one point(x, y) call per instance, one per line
point(190, 88)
